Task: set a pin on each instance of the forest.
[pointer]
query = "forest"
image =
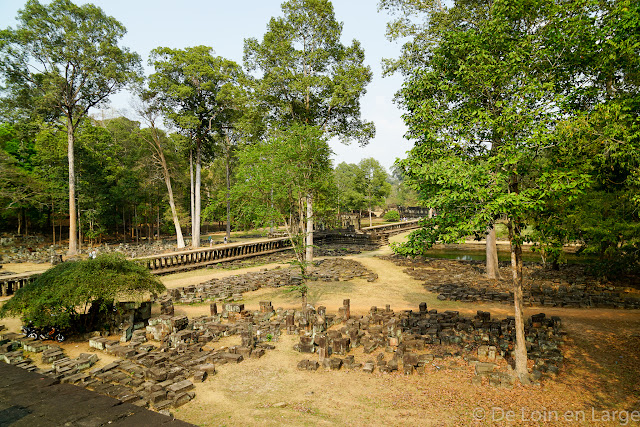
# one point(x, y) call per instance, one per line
point(210, 144)
point(524, 115)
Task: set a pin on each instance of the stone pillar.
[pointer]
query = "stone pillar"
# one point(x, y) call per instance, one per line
point(322, 310)
point(166, 307)
point(266, 307)
point(346, 305)
point(323, 348)
point(290, 323)
point(247, 337)
point(213, 309)
point(423, 308)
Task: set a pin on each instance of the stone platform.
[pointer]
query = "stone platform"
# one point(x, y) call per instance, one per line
point(30, 399)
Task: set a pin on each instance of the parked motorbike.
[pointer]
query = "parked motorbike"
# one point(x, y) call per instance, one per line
point(46, 333)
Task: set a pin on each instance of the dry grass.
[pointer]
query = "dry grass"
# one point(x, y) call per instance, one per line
point(602, 368)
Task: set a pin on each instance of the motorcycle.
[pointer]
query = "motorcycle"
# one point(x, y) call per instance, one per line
point(46, 333)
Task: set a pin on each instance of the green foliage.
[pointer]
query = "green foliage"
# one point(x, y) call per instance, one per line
point(55, 297)
point(485, 121)
point(197, 91)
point(66, 57)
point(348, 198)
point(362, 185)
point(401, 193)
point(371, 182)
point(307, 75)
point(392, 216)
point(274, 175)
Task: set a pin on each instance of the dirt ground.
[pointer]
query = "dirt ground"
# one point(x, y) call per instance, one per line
point(601, 373)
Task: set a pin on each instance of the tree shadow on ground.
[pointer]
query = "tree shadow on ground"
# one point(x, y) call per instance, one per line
point(604, 364)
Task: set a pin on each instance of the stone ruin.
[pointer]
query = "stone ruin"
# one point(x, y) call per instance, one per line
point(416, 340)
point(159, 365)
point(570, 296)
point(231, 288)
point(576, 292)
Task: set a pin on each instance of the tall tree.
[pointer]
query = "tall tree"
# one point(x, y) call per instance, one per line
point(348, 198)
point(157, 141)
point(308, 77)
point(195, 90)
point(484, 112)
point(271, 193)
point(371, 181)
point(68, 58)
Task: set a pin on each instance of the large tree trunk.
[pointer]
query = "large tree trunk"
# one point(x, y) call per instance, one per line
point(192, 194)
point(309, 239)
point(491, 250)
point(73, 225)
point(195, 241)
point(516, 266)
point(172, 203)
point(229, 195)
point(516, 269)
point(53, 223)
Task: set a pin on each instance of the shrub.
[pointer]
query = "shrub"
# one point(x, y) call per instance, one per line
point(71, 288)
point(392, 216)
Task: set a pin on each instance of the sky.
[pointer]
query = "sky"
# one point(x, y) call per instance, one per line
point(224, 24)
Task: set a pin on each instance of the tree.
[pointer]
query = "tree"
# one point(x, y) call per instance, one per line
point(20, 186)
point(67, 57)
point(371, 181)
point(196, 92)
point(481, 105)
point(271, 193)
point(401, 193)
point(157, 141)
point(308, 77)
point(71, 288)
point(348, 198)
point(599, 79)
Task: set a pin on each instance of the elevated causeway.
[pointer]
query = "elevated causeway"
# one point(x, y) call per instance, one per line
point(197, 258)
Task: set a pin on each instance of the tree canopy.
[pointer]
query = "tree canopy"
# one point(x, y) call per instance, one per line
point(64, 60)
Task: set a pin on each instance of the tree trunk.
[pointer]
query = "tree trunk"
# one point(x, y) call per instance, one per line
point(137, 230)
point(301, 226)
point(309, 239)
point(73, 225)
point(272, 222)
point(53, 223)
point(172, 205)
point(491, 250)
point(228, 195)
point(195, 240)
point(149, 217)
point(79, 248)
point(193, 199)
point(516, 269)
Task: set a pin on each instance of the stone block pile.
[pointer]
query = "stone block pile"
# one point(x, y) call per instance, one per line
point(417, 338)
point(231, 288)
point(571, 296)
point(161, 375)
point(12, 347)
point(464, 281)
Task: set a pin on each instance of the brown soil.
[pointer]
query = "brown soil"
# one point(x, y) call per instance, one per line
point(601, 370)
point(22, 267)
